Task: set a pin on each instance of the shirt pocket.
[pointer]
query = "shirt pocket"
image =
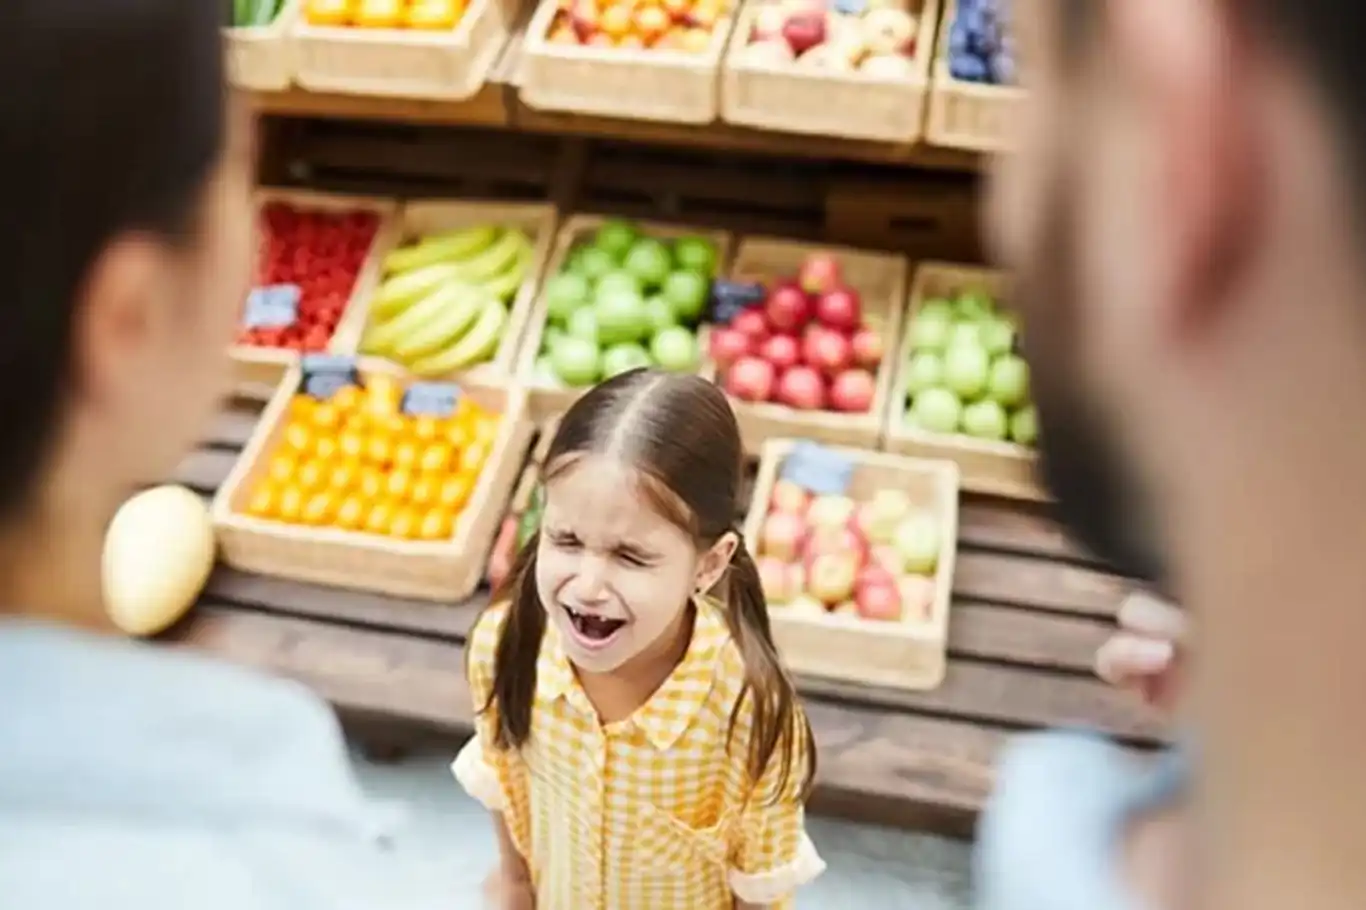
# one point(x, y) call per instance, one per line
point(667, 845)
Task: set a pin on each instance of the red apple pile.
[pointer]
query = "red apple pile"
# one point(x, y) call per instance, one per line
point(805, 345)
point(830, 554)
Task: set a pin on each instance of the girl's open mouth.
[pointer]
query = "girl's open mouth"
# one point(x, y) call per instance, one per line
point(594, 631)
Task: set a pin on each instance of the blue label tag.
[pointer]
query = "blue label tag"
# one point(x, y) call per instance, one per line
point(323, 386)
point(850, 7)
point(324, 374)
point(272, 307)
point(818, 469)
point(433, 399)
point(344, 364)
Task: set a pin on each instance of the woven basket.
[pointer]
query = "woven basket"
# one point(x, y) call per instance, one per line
point(994, 468)
point(261, 59)
point(429, 570)
point(905, 655)
point(257, 371)
point(825, 103)
point(661, 85)
point(968, 115)
point(880, 279)
point(450, 65)
point(550, 401)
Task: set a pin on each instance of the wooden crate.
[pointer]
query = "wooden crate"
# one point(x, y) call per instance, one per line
point(825, 103)
point(261, 59)
point(445, 65)
point(969, 115)
point(257, 371)
point(420, 218)
point(880, 279)
point(906, 655)
point(995, 468)
point(428, 570)
point(659, 85)
point(545, 401)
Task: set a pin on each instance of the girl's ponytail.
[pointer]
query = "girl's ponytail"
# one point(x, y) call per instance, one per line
point(778, 729)
point(519, 646)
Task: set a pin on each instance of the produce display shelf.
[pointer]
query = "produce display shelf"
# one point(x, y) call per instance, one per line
point(1028, 611)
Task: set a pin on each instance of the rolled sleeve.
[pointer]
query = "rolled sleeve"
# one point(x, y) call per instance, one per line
point(480, 768)
point(479, 778)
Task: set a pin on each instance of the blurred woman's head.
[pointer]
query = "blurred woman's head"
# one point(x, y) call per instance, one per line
point(125, 248)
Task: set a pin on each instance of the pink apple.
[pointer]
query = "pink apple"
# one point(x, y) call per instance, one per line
point(840, 309)
point(776, 579)
point(880, 602)
point(751, 323)
point(826, 350)
point(917, 597)
point(789, 497)
point(783, 351)
point(751, 379)
point(787, 307)
point(872, 575)
point(783, 536)
point(889, 558)
point(801, 387)
point(835, 539)
point(830, 577)
point(868, 348)
point(820, 273)
point(804, 31)
point(833, 511)
point(727, 345)
point(878, 517)
point(853, 391)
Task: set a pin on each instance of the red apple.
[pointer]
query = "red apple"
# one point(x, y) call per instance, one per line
point(868, 348)
point(727, 345)
point(872, 575)
point(801, 387)
point(789, 497)
point(826, 350)
point(751, 379)
point(828, 539)
point(879, 602)
point(788, 307)
point(917, 597)
point(752, 324)
point(853, 391)
point(783, 536)
point(840, 309)
point(776, 578)
point(783, 351)
point(804, 31)
point(821, 272)
point(830, 577)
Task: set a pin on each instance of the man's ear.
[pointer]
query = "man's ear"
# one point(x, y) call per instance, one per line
point(715, 561)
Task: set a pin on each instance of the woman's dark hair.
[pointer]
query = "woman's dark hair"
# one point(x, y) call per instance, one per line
point(679, 433)
point(111, 121)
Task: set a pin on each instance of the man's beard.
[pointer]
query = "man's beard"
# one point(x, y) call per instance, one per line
point(1098, 497)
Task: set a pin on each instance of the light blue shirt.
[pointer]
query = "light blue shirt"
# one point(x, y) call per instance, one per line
point(134, 778)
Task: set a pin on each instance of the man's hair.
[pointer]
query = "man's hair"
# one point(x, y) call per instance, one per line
point(111, 121)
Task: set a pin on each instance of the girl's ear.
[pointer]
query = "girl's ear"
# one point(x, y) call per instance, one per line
point(716, 560)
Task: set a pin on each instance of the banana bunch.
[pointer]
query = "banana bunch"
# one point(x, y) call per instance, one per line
point(444, 303)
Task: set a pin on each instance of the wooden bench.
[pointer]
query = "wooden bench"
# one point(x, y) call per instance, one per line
point(1029, 612)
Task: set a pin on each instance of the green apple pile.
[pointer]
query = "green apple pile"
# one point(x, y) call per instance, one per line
point(622, 300)
point(964, 374)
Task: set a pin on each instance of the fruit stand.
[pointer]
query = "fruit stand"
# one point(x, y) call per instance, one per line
point(474, 210)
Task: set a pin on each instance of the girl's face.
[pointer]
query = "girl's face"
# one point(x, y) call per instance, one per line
point(614, 575)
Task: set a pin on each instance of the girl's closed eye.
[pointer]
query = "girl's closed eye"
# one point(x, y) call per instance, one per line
point(564, 540)
point(636, 557)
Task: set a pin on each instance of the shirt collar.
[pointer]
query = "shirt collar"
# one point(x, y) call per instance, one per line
point(672, 708)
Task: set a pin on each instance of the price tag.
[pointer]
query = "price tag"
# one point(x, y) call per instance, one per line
point(850, 7)
point(324, 374)
point(433, 399)
point(272, 307)
point(814, 467)
point(323, 386)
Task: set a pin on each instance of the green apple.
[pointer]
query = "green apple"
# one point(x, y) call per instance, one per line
point(966, 369)
point(1009, 380)
point(660, 314)
point(966, 332)
point(936, 411)
point(1024, 426)
point(697, 254)
point(622, 357)
point(675, 349)
point(592, 263)
point(545, 372)
point(583, 325)
point(973, 304)
point(552, 334)
point(649, 260)
point(566, 293)
point(687, 292)
point(925, 370)
point(916, 540)
point(937, 308)
point(616, 280)
point(576, 361)
point(621, 317)
point(998, 335)
point(930, 330)
point(985, 419)
point(615, 238)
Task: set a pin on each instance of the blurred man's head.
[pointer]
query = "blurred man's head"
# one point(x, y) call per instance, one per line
point(1185, 217)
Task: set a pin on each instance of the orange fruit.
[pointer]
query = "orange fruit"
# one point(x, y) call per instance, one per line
point(319, 509)
point(378, 449)
point(298, 437)
point(326, 417)
point(312, 475)
point(343, 476)
point(381, 515)
point(263, 501)
point(347, 400)
point(458, 433)
point(472, 458)
point(325, 448)
point(370, 483)
point(425, 491)
point(677, 9)
point(651, 22)
point(436, 525)
point(351, 513)
point(382, 394)
point(455, 492)
point(405, 524)
point(405, 454)
point(426, 428)
point(282, 467)
point(291, 505)
point(351, 445)
point(399, 484)
point(436, 457)
point(301, 407)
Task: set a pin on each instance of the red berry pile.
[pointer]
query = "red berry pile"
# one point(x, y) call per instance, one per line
point(321, 252)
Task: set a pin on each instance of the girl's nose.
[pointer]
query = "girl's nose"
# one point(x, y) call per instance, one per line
point(590, 581)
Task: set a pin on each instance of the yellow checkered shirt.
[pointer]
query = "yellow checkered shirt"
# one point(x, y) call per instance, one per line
point(651, 813)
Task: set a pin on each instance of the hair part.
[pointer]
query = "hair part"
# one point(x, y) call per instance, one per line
point(692, 478)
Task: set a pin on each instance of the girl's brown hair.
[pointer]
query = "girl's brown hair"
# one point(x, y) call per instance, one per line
point(680, 434)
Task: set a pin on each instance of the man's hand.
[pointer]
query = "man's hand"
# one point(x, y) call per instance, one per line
point(1146, 653)
point(504, 891)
